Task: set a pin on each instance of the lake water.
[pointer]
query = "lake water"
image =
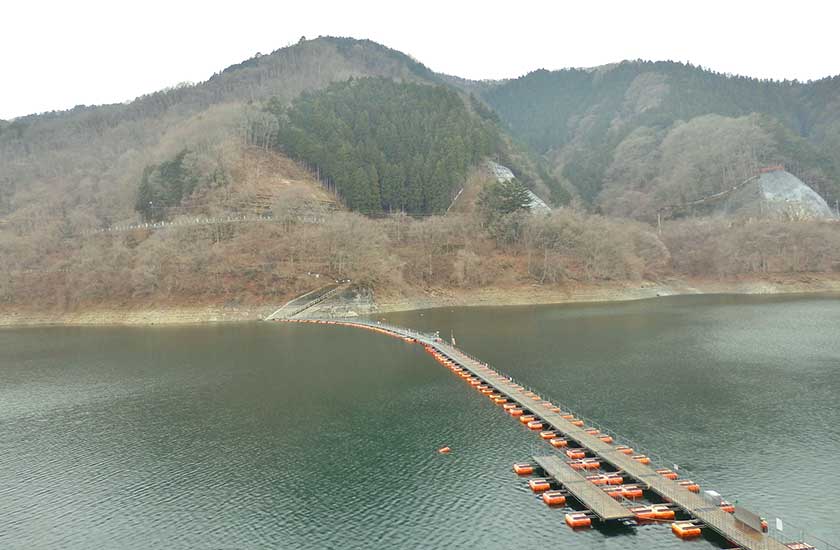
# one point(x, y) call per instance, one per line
point(272, 435)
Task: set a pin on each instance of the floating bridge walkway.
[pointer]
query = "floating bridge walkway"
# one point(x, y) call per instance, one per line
point(599, 505)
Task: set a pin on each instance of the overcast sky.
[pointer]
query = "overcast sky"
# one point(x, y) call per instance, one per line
point(57, 54)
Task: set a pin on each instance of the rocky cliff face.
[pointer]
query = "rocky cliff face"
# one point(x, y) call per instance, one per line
point(779, 195)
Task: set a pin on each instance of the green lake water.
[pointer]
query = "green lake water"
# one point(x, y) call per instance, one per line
point(274, 435)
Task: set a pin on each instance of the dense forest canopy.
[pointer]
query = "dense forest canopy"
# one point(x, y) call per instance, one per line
point(386, 146)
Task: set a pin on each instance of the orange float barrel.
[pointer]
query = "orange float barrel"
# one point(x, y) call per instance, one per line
point(576, 453)
point(614, 479)
point(642, 459)
point(661, 511)
point(554, 409)
point(591, 431)
point(509, 406)
point(624, 449)
point(599, 479)
point(727, 507)
point(535, 425)
point(539, 485)
point(685, 530)
point(577, 520)
point(548, 434)
point(500, 400)
point(578, 423)
point(585, 464)
point(590, 463)
point(690, 485)
point(558, 442)
point(516, 412)
point(554, 498)
point(643, 512)
point(525, 418)
point(667, 474)
point(631, 492)
point(606, 438)
point(523, 468)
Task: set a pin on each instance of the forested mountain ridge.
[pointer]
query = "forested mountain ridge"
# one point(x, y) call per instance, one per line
point(194, 152)
point(285, 133)
point(611, 132)
point(92, 158)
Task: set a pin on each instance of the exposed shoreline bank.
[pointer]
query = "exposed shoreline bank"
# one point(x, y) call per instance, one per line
point(433, 298)
point(613, 292)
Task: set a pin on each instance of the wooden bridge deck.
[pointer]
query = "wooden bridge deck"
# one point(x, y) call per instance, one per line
point(722, 522)
point(589, 494)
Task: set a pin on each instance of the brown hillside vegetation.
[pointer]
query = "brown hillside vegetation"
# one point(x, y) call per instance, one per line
point(268, 262)
point(67, 178)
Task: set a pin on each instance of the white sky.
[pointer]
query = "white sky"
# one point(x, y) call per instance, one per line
point(57, 54)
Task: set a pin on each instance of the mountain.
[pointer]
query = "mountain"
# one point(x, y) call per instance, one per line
point(91, 159)
point(177, 163)
point(341, 158)
point(630, 138)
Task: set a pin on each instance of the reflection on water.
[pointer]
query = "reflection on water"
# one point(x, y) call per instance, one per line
point(298, 436)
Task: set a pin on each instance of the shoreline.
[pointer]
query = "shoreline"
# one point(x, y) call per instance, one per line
point(802, 284)
point(615, 292)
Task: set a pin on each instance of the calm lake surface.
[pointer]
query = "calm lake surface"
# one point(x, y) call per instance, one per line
point(271, 435)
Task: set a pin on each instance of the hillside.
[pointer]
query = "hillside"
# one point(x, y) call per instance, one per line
point(70, 181)
point(240, 191)
point(91, 159)
point(632, 137)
